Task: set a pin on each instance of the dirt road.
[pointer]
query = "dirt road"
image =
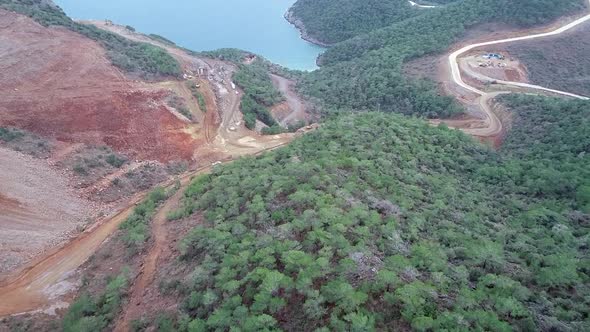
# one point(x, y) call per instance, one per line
point(296, 106)
point(495, 125)
point(148, 270)
point(31, 289)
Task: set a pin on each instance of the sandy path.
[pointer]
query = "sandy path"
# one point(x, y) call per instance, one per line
point(484, 98)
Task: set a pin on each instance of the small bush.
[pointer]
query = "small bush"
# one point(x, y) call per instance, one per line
point(115, 161)
point(80, 170)
point(197, 94)
point(10, 134)
point(88, 314)
point(176, 214)
point(274, 130)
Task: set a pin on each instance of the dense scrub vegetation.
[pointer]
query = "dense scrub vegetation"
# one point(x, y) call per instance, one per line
point(136, 226)
point(552, 136)
point(91, 314)
point(234, 55)
point(334, 21)
point(382, 222)
point(142, 59)
point(259, 94)
point(364, 73)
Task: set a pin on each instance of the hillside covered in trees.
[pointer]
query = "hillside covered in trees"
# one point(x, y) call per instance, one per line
point(382, 222)
point(334, 21)
point(365, 72)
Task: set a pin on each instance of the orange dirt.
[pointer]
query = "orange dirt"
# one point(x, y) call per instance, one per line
point(59, 84)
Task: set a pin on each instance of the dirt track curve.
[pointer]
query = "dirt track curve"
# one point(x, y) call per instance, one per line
point(28, 291)
point(493, 125)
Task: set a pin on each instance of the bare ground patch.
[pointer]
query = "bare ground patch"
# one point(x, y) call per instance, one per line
point(37, 208)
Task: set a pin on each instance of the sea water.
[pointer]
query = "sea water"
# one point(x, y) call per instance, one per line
point(257, 26)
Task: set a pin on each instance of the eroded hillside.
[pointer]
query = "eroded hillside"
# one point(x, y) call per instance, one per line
point(59, 84)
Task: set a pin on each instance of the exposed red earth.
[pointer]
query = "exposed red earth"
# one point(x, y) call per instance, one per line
point(58, 84)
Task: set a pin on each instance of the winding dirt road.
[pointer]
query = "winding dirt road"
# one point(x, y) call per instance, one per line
point(148, 270)
point(493, 125)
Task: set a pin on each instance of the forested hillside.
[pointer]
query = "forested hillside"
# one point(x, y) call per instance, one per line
point(364, 72)
point(334, 21)
point(382, 222)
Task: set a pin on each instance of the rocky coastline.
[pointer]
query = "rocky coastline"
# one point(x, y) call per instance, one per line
point(290, 17)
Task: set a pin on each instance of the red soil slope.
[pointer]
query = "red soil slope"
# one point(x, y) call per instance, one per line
point(59, 84)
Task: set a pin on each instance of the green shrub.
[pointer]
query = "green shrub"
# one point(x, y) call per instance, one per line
point(135, 227)
point(161, 39)
point(115, 161)
point(197, 94)
point(274, 130)
point(80, 169)
point(10, 134)
point(259, 91)
point(88, 314)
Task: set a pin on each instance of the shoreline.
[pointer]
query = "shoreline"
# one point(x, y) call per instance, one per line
point(302, 31)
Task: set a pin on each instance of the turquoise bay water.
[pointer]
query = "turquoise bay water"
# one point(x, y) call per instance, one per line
point(253, 25)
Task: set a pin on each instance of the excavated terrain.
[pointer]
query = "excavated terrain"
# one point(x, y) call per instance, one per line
point(58, 84)
point(37, 209)
point(61, 86)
